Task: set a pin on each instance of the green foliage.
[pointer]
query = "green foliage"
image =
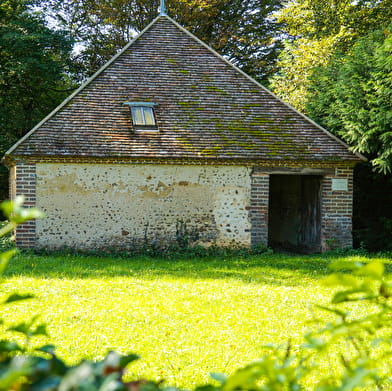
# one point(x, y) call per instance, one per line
point(296, 65)
point(276, 371)
point(352, 97)
point(364, 336)
point(6, 240)
point(16, 214)
point(360, 341)
point(182, 247)
point(185, 236)
point(320, 18)
point(317, 29)
point(243, 31)
point(34, 73)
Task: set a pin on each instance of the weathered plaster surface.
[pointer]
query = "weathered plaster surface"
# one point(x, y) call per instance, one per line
point(98, 205)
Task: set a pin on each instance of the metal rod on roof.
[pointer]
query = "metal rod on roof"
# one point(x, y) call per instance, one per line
point(162, 9)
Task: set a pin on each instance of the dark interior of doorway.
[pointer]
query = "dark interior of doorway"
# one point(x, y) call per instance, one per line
point(295, 213)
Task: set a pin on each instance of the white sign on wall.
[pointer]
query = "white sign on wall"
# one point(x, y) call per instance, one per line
point(339, 184)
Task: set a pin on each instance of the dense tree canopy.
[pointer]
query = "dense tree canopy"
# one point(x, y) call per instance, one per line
point(295, 66)
point(34, 71)
point(320, 18)
point(316, 30)
point(338, 73)
point(352, 96)
point(242, 30)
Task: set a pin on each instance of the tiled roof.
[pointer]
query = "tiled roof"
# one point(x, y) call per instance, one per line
point(206, 108)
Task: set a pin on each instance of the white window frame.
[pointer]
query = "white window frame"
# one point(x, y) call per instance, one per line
point(143, 110)
point(143, 107)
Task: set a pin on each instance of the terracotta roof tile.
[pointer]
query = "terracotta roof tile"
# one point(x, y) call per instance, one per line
point(206, 108)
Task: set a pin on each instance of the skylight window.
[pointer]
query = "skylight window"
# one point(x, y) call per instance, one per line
point(143, 117)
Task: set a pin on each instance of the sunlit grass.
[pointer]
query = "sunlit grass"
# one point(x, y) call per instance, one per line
point(184, 317)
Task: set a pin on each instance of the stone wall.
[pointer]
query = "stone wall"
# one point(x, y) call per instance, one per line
point(101, 205)
point(97, 205)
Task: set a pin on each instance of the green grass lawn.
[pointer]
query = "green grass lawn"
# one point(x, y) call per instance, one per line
point(184, 317)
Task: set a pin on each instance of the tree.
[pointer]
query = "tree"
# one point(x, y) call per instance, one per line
point(245, 32)
point(296, 65)
point(320, 18)
point(316, 29)
point(352, 97)
point(34, 72)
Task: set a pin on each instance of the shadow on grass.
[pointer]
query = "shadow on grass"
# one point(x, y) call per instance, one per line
point(276, 269)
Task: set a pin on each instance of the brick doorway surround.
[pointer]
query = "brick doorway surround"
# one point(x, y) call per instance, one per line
point(336, 204)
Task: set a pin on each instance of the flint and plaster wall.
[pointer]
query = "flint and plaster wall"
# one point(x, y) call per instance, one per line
point(100, 205)
point(93, 206)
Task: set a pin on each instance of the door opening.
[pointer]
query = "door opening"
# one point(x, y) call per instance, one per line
point(295, 213)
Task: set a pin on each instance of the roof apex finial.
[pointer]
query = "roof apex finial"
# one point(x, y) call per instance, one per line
point(162, 8)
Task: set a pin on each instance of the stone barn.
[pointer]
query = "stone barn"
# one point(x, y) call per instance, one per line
point(169, 139)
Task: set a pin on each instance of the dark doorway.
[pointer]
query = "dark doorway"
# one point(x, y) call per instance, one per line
point(294, 213)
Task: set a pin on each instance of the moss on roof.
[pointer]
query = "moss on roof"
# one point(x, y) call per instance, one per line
point(206, 107)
